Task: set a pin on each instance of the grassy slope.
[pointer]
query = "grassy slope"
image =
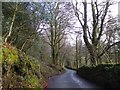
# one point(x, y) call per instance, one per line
point(20, 71)
point(107, 76)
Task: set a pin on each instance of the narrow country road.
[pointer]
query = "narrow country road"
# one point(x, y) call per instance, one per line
point(69, 80)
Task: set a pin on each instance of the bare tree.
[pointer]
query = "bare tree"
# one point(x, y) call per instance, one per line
point(93, 35)
point(56, 31)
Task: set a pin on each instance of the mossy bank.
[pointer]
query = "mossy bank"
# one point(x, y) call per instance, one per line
point(22, 71)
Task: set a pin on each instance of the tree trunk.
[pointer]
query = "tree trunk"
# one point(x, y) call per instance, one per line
point(77, 62)
point(53, 56)
point(11, 26)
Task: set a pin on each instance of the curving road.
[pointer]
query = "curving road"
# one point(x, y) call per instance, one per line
point(69, 80)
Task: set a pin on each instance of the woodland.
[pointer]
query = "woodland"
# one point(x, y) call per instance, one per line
point(37, 42)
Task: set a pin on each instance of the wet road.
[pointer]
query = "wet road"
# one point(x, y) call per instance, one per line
point(69, 80)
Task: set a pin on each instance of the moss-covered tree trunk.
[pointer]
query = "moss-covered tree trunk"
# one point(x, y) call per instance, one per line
point(92, 39)
point(90, 46)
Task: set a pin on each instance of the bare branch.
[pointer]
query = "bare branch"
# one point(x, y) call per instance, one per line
point(103, 19)
point(76, 13)
point(108, 47)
